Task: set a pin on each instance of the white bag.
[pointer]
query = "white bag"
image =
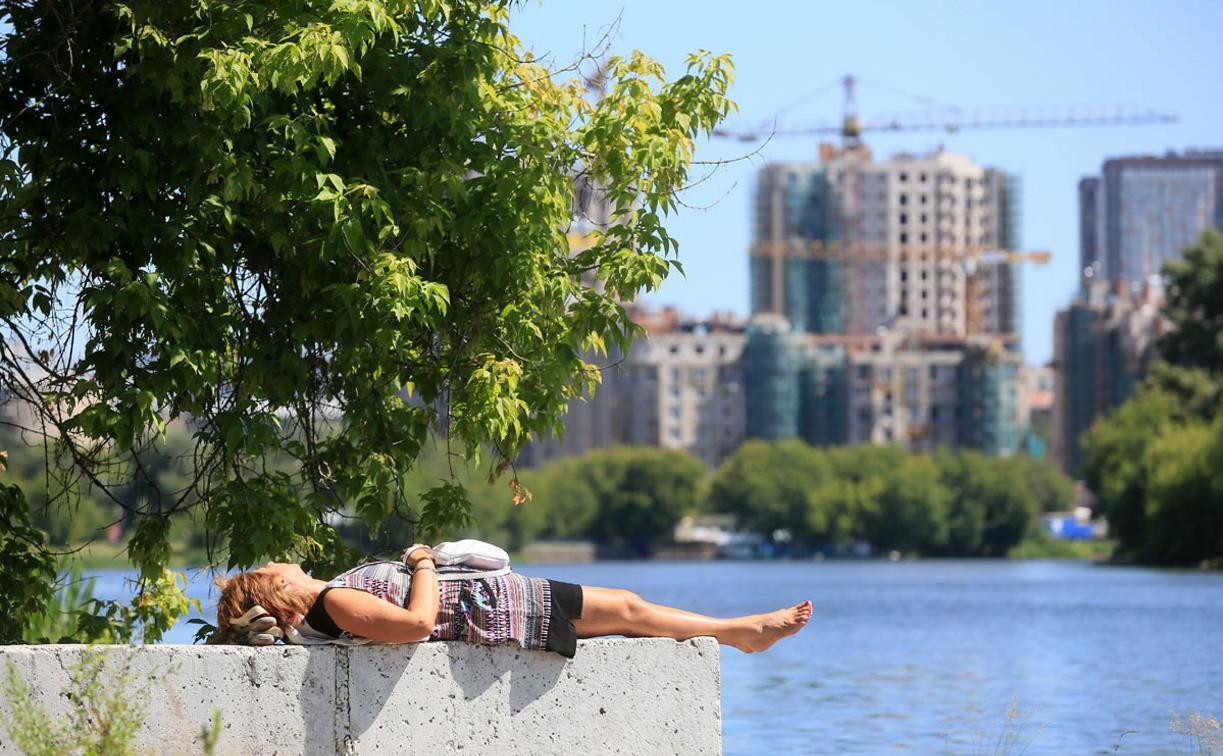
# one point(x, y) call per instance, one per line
point(467, 559)
point(477, 554)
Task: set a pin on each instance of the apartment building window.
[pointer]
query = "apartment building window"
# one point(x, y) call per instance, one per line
point(677, 374)
point(904, 218)
point(904, 199)
point(925, 218)
point(924, 199)
point(903, 177)
point(904, 238)
point(674, 349)
point(904, 275)
point(923, 237)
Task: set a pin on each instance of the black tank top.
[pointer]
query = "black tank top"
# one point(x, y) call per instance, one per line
point(319, 619)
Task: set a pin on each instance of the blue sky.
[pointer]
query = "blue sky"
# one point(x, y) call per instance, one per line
point(1165, 55)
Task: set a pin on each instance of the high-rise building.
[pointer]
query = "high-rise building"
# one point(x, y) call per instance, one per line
point(1102, 344)
point(886, 303)
point(1143, 211)
point(1138, 214)
point(847, 245)
point(1090, 227)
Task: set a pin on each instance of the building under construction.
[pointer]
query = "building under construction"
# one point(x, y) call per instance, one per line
point(886, 303)
point(924, 391)
point(849, 245)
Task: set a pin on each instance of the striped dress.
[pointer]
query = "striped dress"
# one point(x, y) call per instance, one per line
point(487, 611)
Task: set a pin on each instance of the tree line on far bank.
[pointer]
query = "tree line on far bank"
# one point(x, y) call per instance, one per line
point(943, 504)
point(1156, 462)
point(631, 497)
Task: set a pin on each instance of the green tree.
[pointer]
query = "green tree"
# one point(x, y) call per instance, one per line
point(321, 231)
point(913, 508)
point(772, 485)
point(834, 510)
point(1116, 462)
point(1184, 503)
point(566, 499)
point(641, 492)
point(1049, 486)
point(991, 507)
point(1194, 306)
point(863, 473)
point(1149, 463)
point(27, 570)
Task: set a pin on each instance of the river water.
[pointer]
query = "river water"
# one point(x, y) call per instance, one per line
point(945, 656)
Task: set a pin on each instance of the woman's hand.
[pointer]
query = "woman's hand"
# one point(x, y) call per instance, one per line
point(418, 553)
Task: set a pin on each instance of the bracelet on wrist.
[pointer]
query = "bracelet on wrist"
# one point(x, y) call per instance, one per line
point(418, 567)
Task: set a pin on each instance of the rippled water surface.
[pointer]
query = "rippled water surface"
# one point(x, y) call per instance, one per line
point(933, 656)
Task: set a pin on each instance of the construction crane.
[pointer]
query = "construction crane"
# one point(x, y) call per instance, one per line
point(852, 126)
point(973, 282)
point(972, 260)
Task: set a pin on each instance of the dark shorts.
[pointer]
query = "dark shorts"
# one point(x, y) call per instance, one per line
point(566, 607)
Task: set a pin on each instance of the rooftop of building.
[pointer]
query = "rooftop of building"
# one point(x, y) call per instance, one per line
point(1192, 156)
point(668, 319)
point(1102, 293)
point(835, 154)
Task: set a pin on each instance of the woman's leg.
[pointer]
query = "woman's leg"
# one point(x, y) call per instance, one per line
point(610, 611)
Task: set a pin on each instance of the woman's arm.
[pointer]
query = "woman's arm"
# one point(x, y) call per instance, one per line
point(368, 616)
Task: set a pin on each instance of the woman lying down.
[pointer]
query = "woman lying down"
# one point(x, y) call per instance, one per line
point(405, 602)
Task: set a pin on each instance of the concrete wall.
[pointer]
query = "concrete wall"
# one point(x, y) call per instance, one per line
point(617, 696)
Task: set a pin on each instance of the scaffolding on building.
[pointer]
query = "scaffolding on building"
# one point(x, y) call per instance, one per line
point(772, 361)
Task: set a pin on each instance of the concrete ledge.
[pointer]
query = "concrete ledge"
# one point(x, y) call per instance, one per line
point(617, 696)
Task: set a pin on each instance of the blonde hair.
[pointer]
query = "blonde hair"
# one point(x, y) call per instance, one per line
point(242, 591)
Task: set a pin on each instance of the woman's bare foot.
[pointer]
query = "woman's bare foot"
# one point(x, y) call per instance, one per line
point(777, 625)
